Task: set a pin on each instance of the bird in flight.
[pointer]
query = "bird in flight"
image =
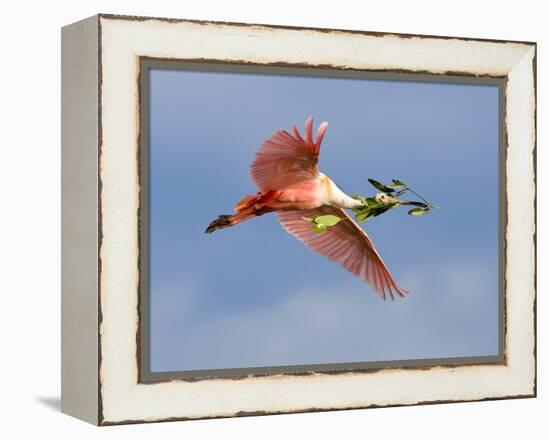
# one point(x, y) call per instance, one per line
point(290, 185)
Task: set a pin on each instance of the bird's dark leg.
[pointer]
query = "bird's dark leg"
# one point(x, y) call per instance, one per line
point(223, 221)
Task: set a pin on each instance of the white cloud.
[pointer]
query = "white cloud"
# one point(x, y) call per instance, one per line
point(450, 309)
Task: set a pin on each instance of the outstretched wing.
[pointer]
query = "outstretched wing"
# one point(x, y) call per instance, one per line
point(287, 158)
point(345, 243)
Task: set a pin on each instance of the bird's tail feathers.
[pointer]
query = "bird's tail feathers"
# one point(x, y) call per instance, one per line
point(247, 202)
point(255, 202)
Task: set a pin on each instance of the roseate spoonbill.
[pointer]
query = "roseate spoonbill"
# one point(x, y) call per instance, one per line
point(285, 171)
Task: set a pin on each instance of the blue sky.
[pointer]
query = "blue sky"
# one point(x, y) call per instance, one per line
point(253, 295)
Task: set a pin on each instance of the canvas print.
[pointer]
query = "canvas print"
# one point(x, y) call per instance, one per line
point(257, 258)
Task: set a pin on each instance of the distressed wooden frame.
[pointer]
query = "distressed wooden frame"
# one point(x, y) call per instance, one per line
point(101, 260)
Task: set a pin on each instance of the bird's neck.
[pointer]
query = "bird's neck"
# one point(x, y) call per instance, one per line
point(334, 196)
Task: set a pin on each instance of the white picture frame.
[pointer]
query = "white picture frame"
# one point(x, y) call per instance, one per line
point(101, 184)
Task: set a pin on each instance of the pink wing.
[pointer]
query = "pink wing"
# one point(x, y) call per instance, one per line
point(345, 243)
point(285, 159)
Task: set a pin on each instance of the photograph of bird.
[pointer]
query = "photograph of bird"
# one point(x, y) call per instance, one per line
point(290, 185)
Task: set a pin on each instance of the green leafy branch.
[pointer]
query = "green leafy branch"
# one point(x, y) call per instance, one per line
point(377, 205)
point(321, 223)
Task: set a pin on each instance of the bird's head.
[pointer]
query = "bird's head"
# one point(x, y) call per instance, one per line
point(385, 199)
